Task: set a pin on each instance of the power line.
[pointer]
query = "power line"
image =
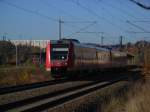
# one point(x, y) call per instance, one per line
point(91, 32)
point(144, 21)
point(102, 37)
point(47, 17)
point(69, 23)
point(80, 22)
point(141, 5)
point(120, 9)
point(110, 12)
point(66, 23)
point(137, 32)
point(50, 5)
point(131, 8)
point(137, 26)
point(29, 11)
point(81, 29)
point(63, 11)
point(130, 16)
point(96, 15)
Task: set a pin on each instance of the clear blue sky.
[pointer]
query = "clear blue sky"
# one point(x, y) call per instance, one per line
point(38, 19)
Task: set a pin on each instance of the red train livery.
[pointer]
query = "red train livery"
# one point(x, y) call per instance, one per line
point(69, 55)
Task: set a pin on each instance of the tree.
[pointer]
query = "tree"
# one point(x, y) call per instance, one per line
point(7, 50)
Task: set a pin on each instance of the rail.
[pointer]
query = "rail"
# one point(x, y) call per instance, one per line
point(12, 89)
point(51, 100)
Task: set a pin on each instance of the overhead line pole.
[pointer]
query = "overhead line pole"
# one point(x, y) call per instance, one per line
point(102, 38)
point(59, 29)
point(121, 41)
point(16, 55)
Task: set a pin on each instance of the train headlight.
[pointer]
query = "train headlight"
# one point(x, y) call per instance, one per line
point(65, 63)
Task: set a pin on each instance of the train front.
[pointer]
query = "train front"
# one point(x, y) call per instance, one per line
point(58, 57)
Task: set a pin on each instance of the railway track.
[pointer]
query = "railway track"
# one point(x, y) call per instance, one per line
point(53, 99)
point(12, 89)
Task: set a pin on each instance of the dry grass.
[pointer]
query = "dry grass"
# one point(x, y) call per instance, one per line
point(147, 63)
point(139, 98)
point(136, 99)
point(115, 102)
point(19, 76)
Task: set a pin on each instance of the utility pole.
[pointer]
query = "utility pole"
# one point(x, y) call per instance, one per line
point(102, 38)
point(121, 41)
point(40, 53)
point(60, 35)
point(16, 55)
point(4, 36)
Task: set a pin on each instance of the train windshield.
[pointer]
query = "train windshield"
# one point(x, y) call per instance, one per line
point(59, 52)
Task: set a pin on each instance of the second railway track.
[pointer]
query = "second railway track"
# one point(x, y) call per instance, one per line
point(51, 100)
point(12, 89)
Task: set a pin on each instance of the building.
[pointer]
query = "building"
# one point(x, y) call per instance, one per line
point(38, 43)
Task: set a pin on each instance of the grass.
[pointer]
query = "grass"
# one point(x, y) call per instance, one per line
point(139, 98)
point(115, 101)
point(22, 75)
point(135, 99)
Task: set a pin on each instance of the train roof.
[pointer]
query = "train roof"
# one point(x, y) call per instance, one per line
point(92, 46)
point(118, 53)
point(77, 43)
point(65, 41)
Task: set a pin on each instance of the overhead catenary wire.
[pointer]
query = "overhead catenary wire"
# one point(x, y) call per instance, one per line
point(102, 37)
point(80, 21)
point(119, 9)
point(129, 22)
point(40, 14)
point(97, 16)
point(72, 26)
point(46, 3)
point(71, 23)
point(121, 19)
point(82, 29)
point(91, 32)
point(65, 12)
point(141, 5)
point(144, 21)
point(132, 8)
point(28, 10)
point(139, 27)
point(110, 13)
point(137, 32)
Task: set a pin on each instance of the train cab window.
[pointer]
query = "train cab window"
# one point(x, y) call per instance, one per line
point(59, 53)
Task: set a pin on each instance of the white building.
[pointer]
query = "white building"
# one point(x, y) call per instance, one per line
point(39, 43)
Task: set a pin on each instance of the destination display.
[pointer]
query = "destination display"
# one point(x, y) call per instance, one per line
point(60, 49)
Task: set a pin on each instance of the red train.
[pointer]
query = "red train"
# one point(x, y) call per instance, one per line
point(70, 56)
